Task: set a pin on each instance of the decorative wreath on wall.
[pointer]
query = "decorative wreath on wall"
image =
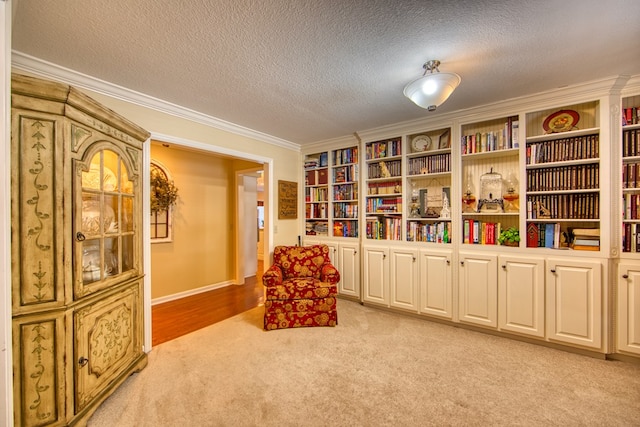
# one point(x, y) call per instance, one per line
point(163, 192)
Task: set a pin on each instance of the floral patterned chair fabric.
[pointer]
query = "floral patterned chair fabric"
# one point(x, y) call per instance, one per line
point(302, 286)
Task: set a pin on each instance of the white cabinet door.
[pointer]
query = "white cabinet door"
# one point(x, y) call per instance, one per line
point(521, 295)
point(574, 301)
point(629, 307)
point(333, 253)
point(376, 274)
point(478, 296)
point(349, 268)
point(435, 283)
point(404, 278)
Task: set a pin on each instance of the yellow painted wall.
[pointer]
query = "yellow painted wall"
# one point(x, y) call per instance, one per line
point(213, 262)
point(202, 251)
point(286, 161)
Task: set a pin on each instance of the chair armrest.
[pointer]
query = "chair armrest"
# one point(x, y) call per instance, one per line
point(328, 273)
point(272, 277)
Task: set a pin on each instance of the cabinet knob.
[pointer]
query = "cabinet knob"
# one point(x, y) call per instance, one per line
point(83, 361)
point(553, 270)
point(80, 237)
point(384, 256)
point(414, 259)
point(355, 253)
point(462, 263)
point(504, 266)
point(625, 276)
point(448, 262)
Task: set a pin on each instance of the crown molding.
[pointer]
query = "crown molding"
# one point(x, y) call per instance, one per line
point(33, 65)
point(579, 92)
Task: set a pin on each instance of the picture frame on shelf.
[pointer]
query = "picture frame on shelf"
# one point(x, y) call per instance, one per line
point(444, 141)
point(426, 208)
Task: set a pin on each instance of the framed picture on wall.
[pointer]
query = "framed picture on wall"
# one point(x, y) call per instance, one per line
point(287, 200)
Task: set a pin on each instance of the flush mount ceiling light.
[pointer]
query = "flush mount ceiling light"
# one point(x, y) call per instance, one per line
point(432, 89)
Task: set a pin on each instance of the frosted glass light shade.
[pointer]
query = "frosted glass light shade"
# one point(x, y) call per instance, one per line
point(432, 89)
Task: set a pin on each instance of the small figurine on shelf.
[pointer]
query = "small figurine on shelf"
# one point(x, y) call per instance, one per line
point(542, 211)
point(384, 170)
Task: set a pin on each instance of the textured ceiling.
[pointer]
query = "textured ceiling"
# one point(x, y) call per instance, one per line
point(309, 70)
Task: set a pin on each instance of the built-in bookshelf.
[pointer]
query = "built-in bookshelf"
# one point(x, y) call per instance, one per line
point(344, 189)
point(490, 179)
point(316, 193)
point(631, 174)
point(383, 199)
point(563, 177)
point(428, 187)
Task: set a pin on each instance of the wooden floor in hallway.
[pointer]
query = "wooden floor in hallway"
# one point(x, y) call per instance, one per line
point(173, 319)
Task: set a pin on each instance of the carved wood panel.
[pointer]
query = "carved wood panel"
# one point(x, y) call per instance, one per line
point(38, 351)
point(106, 341)
point(37, 208)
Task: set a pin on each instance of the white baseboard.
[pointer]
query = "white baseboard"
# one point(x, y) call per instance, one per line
point(190, 292)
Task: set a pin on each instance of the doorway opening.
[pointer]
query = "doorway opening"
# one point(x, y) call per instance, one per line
point(206, 262)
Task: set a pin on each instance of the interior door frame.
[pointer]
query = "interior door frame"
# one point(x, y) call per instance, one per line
point(267, 166)
point(240, 219)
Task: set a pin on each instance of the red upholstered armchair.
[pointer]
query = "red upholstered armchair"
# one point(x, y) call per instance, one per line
point(301, 288)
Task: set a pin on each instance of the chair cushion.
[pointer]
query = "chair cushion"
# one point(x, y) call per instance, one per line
point(301, 288)
point(301, 261)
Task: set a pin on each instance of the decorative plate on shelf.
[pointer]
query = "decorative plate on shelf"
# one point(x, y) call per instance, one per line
point(421, 143)
point(561, 121)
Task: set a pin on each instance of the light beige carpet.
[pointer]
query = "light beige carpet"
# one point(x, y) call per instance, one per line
point(374, 369)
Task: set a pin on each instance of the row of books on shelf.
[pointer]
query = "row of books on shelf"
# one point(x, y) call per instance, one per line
point(631, 142)
point(318, 161)
point(543, 235)
point(316, 210)
point(387, 187)
point(630, 116)
point(345, 210)
point(564, 206)
point(316, 177)
point(382, 149)
point(346, 192)
point(384, 228)
point(631, 206)
point(631, 175)
point(551, 235)
point(502, 139)
point(429, 164)
point(316, 194)
point(631, 238)
point(345, 228)
point(345, 174)
point(438, 232)
point(384, 169)
point(564, 178)
point(345, 156)
point(562, 150)
point(480, 232)
point(384, 205)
